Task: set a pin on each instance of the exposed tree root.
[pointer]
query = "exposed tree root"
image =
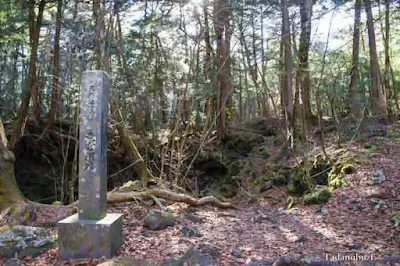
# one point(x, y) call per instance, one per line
point(18, 213)
point(117, 197)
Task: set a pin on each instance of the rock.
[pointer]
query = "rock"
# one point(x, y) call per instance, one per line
point(157, 220)
point(318, 196)
point(192, 257)
point(133, 224)
point(237, 254)
point(322, 211)
point(146, 233)
point(300, 239)
point(208, 249)
point(266, 186)
point(193, 218)
point(25, 241)
point(190, 232)
point(12, 262)
point(355, 245)
point(378, 177)
point(125, 261)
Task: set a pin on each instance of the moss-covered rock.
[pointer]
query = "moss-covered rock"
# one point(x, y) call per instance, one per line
point(348, 168)
point(318, 196)
point(25, 241)
point(157, 220)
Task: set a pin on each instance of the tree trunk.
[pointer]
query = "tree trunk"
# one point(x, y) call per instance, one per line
point(56, 69)
point(353, 99)
point(99, 20)
point(390, 89)
point(222, 60)
point(287, 93)
point(34, 39)
point(158, 83)
point(304, 47)
point(139, 164)
point(34, 30)
point(138, 125)
point(377, 99)
point(12, 202)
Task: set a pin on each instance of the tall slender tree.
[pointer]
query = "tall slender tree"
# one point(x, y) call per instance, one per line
point(223, 34)
point(377, 97)
point(306, 7)
point(56, 68)
point(34, 33)
point(352, 93)
point(288, 76)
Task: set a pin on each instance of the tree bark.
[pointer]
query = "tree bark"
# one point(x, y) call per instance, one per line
point(35, 42)
point(390, 88)
point(34, 32)
point(288, 76)
point(223, 79)
point(377, 98)
point(56, 69)
point(12, 202)
point(99, 20)
point(353, 99)
point(159, 84)
point(304, 47)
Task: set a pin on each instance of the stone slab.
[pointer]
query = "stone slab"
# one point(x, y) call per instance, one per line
point(93, 145)
point(89, 238)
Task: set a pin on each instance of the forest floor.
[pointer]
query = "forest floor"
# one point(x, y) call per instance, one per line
point(359, 219)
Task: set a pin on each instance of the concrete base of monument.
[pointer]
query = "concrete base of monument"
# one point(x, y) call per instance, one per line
point(89, 238)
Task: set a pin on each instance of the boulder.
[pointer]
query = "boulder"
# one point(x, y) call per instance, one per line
point(157, 220)
point(187, 231)
point(318, 196)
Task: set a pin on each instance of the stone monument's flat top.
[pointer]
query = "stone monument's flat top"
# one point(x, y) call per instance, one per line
point(108, 219)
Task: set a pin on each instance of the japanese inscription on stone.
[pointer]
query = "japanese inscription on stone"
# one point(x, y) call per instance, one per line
point(93, 145)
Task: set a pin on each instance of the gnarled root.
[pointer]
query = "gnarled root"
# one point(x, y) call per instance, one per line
point(18, 213)
point(117, 197)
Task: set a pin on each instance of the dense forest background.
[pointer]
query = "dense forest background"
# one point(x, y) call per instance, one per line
point(185, 70)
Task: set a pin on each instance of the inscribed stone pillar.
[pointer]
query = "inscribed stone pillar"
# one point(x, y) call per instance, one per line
point(91, 233)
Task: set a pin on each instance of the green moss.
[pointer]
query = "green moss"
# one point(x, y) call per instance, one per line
point(291, 187)
point(266, 153)
point(318, 196)
point(390, 133)
point(336, 183)
point(348, 168)
point(57, 203)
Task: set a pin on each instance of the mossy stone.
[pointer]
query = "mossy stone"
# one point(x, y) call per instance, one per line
point(318, 196)
point(348, 168)
point(156, 220)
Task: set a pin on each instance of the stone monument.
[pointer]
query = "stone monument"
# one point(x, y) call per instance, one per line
point(91, 233)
